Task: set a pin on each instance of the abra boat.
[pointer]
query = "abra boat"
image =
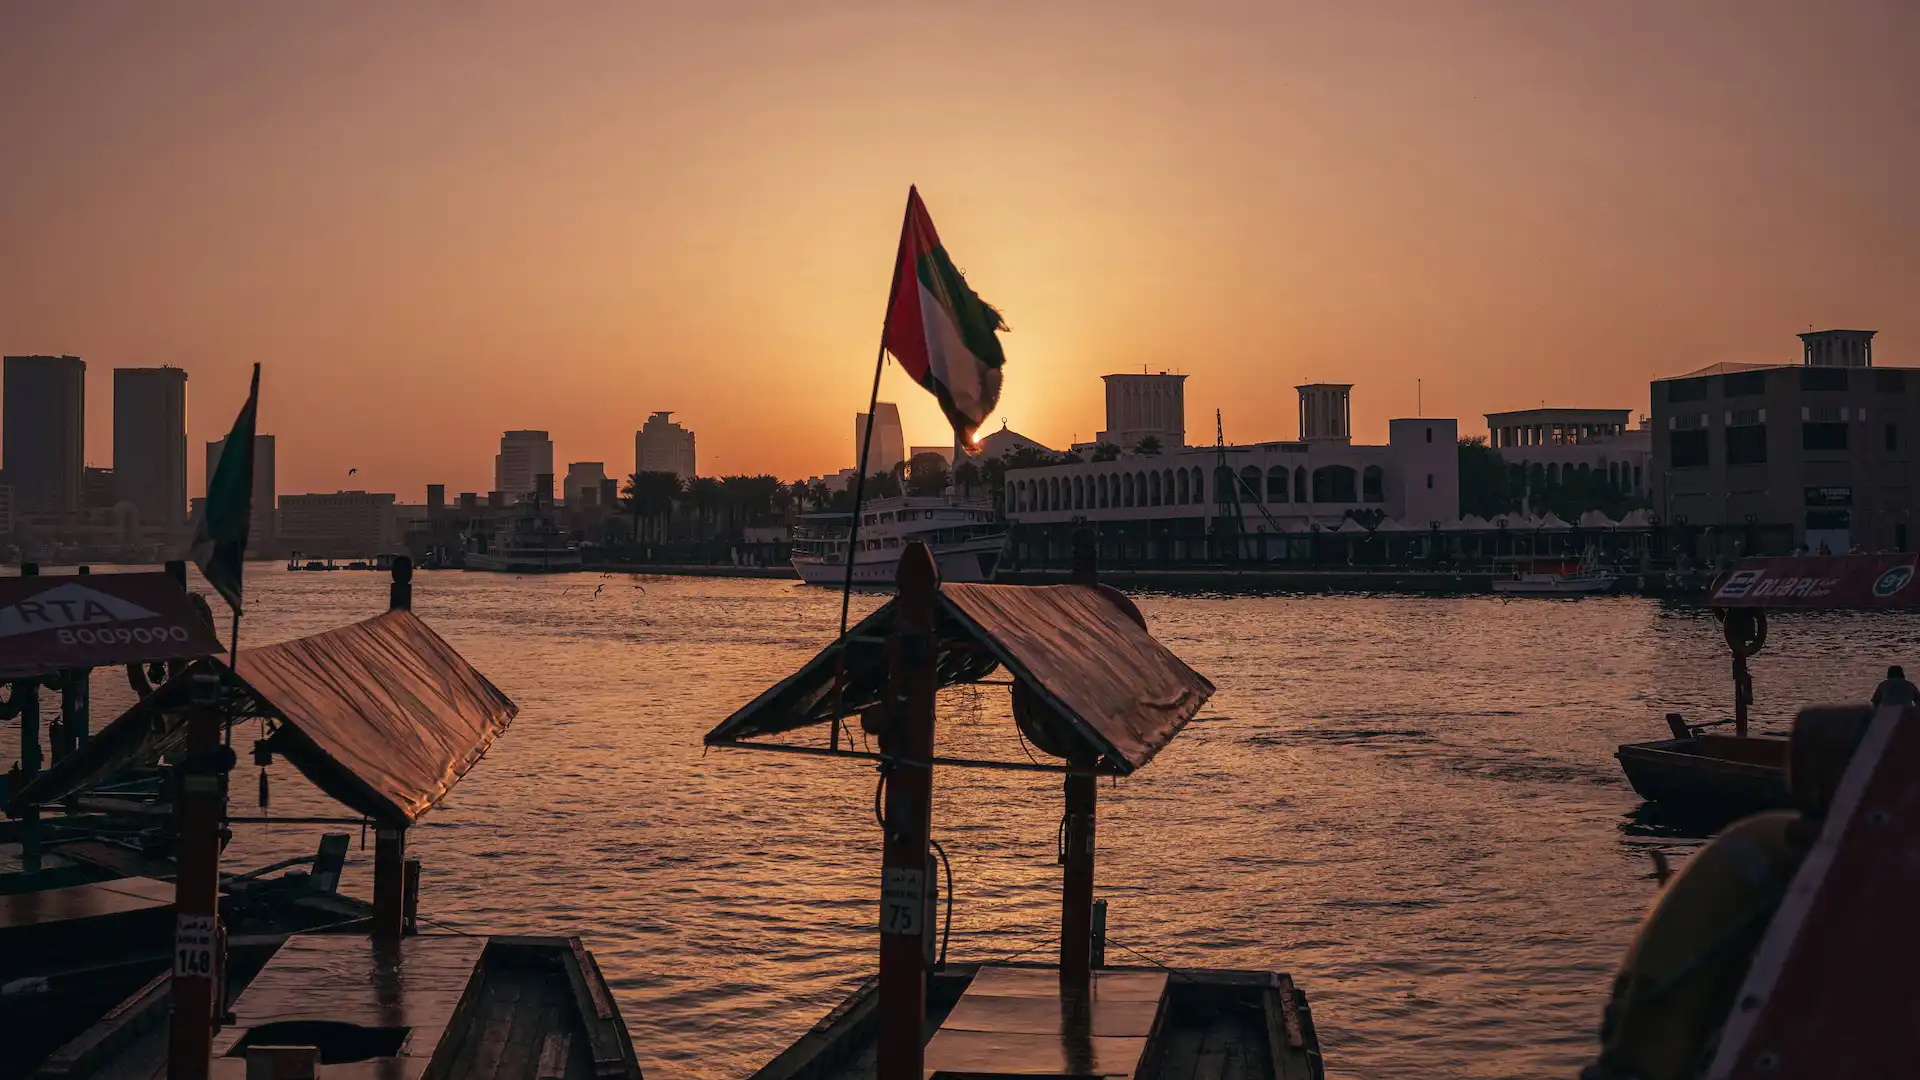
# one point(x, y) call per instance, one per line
point(1730, 775)
point(1089, 686)
point(1577, 580)
point(964, 535)
point(530, 543)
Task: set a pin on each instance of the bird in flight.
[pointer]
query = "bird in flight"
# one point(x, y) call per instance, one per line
point(350, 472)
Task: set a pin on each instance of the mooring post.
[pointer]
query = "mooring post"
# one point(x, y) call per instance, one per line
point(400, 593)
point(906, 927)
point(26, 699)
point(1076, 884)
point(198, 966)
point(389, 884)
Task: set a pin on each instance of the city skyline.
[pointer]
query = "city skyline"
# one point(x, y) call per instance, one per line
point(570, 224)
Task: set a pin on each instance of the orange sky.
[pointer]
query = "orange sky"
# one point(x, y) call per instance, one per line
point(432, 224)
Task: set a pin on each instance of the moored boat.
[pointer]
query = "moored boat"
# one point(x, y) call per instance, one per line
point(530, 543)
point(1719, 775)
point(1576, 580)
point(964, 535)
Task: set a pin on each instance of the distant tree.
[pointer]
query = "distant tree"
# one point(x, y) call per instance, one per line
point(967, 476)
point(1486, 485)
point(649, 497)
point(1149, 445)
point(819, 495)
point(1105, 451)
point(927, 474)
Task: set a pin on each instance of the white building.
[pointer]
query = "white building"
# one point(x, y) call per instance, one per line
point(1566, 442)
point(889, 447)
point(664, 446)
point(1281, 486)
point(1139, 406)
point(524, 457)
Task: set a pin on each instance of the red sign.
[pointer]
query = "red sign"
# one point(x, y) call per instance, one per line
point(1821, 581)
point(97, 620)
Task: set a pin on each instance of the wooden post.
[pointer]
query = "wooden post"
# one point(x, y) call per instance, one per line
point(198, 966)
point(389, 884)
point(905, 925)
point(411, 920)
point(1742, 695)
point(1076, 888)
point(400, 593)
point(26, 698)
point(76, 700)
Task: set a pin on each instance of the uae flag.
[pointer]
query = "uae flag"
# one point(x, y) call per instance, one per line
point(939, 330)
point(220, 538)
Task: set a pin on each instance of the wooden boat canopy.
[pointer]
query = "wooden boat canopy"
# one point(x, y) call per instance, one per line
point(1821, 583)
point(53, 623)
point(1120, 694)
point(382, 715)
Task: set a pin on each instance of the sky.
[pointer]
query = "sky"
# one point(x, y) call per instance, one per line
point(435, 222)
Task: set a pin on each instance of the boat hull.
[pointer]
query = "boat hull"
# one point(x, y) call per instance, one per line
point(559, 562)
point(965, 564)
point(1709, 774)
point(1568, 587)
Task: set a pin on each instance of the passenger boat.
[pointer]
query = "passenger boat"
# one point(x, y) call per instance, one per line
point(964, 535)
point(1574, 580)
point(1092, 689)
point(1726, 775)
point(364, 993)
point(530, 543)
point(1780, 950)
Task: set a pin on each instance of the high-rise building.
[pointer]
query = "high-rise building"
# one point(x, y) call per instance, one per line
point(150, 442)
point(99, 490)
point(663, 446)
point(43, 445)
point(523, 456)
point(889, 447)
point(1139, 406)
point(344, 523)
point(261, 526)
point(582, 484)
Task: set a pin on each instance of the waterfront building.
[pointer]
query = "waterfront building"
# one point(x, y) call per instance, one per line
point(43, 431)
point(664, 446)
point(6, 509)
point(339, 525)
point(523, 456)
point(889, 447)
point(582, 485)
point(1771, 456)
point(262, 527)
point(1006, 441)
point(1565, 443)
point(1143, 406)
point(98, 489)
point(150, 443)
point(1166, 505)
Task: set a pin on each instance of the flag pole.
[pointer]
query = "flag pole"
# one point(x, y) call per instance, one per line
point(860, 477)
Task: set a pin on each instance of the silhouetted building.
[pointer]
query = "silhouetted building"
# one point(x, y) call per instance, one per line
point(43, 432)
point(436, 499)
point(150, 442)
point(524, 455)
point(1818, 453)
point(1143, 405)
point(99, 490)
point(889, 446)
point(664, 446)
point(263, 527)
point(1559, 445)
point(341, 524)
point(582, 484)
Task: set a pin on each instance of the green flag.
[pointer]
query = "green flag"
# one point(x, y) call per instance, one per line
point(220, 538)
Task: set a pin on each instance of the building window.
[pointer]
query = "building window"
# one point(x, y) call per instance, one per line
point(1636, 478)
point(1153, 489)
point(1250, 482)
point(1199, 485)
point(1126, 489)
point(1747, 444)
point(1823, 436)
point(1429, 434)
point(1186, 487)
point(1277, 483)
point(1373, 485)
point(1687, 390)
point(1893, 438)
point(1890, 382)
point(1333, 484)
point(1823, 378)
point(1687, 449)
point(1744, 384)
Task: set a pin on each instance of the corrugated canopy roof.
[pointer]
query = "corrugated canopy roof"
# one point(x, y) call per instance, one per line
point(382, 715)
point(1122, 694)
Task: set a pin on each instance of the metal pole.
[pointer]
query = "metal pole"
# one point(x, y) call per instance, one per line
point(906, 926)
point(76, 700)
point(1076, 886)
point(26, 696)
point(198, 966)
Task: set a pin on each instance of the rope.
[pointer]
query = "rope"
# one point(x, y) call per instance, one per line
point(1171, 972)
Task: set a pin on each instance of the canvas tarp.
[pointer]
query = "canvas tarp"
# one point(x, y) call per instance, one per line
point(1122, 693)
point(382, 715)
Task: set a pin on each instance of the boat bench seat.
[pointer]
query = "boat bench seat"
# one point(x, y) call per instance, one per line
point(1020, 1022)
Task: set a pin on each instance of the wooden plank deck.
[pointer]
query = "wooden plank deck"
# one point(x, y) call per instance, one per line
point(77, 902)
point(1021, 1022)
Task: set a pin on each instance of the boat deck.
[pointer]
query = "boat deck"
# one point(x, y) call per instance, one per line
point(1208, 1025)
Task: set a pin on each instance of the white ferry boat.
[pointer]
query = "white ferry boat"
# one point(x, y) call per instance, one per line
point(529, 544)
point(1564, 581)
point(964, 535)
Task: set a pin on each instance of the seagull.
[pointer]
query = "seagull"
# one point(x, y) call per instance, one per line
point(350, 472)
point(596, 590)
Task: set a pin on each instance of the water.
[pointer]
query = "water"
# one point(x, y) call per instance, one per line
point(1409, 804)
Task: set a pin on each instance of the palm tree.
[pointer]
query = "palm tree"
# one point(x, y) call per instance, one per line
point(649, 497)
point(1148, 445)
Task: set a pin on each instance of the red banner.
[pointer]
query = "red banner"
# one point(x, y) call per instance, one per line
point(97, 620)
point(1866, 582)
